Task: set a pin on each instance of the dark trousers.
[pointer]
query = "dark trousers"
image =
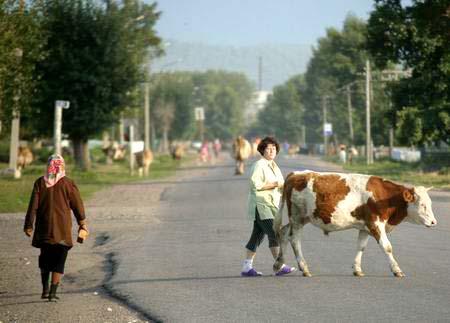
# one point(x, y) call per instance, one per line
point(53, 258)
point(260, 229)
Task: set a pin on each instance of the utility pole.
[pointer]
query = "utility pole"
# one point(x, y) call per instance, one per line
point(350, 114)
point(303, 136)
point(200, 117)
point(147, 116)
point(131, 149)
point(325, 137)
point(15, 125)
point(121, 130)
point(369, 159)
point(260, 74)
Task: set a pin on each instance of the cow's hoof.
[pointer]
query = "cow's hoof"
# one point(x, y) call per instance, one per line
point(399, 274)
point(307, 274)
point(358, 274)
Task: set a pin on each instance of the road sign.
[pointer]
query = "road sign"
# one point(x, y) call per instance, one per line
point(327, 129)
point(62, 104)
point(199, 114)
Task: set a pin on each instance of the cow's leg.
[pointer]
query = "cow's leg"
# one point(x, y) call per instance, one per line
point(297, 248)
point(237, 167)
point(283, 240)
point(386, 246)
point(241, 167)
point(363, 237)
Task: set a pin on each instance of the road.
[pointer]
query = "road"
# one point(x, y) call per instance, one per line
point(185, 267)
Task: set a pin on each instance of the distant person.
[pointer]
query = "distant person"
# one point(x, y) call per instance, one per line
point(352, 154)
point(342, 154)
point(204, 152)
point(286, 146)
point(266, 182)
point(49, 212)
point(217, 147)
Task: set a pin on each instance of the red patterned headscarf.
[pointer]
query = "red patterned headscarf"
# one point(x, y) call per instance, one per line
point(56, 169)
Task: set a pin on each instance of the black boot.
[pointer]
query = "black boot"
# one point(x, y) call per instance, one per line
point(45, 290)
point(52, 296)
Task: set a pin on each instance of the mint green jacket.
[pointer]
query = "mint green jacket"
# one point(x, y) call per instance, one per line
point(266, 201)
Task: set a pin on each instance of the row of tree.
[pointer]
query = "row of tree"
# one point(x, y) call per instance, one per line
point(414, 38)
point(97, 56)
point(87, 52)
point(222, 95)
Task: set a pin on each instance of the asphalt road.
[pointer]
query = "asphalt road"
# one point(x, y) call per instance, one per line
point(186, 267)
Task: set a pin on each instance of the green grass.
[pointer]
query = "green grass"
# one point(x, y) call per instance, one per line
point(411, 173)
point(15, 193)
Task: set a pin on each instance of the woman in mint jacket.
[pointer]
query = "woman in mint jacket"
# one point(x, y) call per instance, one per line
point(266, 183)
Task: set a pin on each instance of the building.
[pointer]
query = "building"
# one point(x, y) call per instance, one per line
point(256, 104)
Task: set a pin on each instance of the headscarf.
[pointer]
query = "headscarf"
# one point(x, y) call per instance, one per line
point(56, 169)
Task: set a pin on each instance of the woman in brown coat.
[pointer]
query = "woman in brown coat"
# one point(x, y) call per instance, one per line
point(53, 197)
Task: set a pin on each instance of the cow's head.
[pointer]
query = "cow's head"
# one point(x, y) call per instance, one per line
point(419, 206)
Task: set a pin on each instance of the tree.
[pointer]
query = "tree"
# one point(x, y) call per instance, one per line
point(283, 115)
point(225, 96)
point(173, 91)
point(336, 62)
point(95, 57)
point(418, 37)
point(21, 42)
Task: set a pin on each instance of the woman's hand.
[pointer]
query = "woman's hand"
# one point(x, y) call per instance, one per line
point(28, 232)
point(269, 186)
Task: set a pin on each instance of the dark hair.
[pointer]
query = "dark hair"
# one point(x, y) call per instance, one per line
point(265, 142)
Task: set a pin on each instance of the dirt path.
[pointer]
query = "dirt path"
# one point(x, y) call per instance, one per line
point(84, 297)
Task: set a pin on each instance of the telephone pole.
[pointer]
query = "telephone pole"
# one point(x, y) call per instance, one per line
point(147, 116)
point(325, 137)
point(369, 158)
point(350, 114)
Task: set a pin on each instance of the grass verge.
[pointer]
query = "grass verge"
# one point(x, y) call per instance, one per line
point(15, 193)
point(411, 173)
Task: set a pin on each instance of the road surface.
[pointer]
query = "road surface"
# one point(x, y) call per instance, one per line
point(185, 266)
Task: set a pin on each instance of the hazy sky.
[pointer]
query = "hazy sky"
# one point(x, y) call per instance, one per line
point(251, 22)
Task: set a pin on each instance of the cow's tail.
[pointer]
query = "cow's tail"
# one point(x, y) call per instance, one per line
point(277, 223)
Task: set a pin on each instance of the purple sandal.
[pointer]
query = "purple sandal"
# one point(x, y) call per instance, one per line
point(251, 273)
point(285, 270)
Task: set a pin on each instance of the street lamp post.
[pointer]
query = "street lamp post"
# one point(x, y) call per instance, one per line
point(59, 105)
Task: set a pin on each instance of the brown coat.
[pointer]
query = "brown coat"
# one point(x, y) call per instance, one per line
point(51, 209)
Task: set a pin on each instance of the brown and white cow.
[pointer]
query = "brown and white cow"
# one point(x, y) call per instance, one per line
point(143, 160)
point(337, 201)
point(24, 157)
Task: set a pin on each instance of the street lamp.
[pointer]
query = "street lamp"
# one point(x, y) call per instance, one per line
point(59, 105)
point(147, 143)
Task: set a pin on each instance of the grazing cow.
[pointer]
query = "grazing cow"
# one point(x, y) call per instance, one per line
point(177, 151)
point(293, 150)
point(241, 152)
point(143, 160)
point(24, 157)
point(114, 151)
point(334, 201)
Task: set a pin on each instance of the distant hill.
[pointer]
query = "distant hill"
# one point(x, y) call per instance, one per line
point(279, 61)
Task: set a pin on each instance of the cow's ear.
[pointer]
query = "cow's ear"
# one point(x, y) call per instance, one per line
point(429, 188)
point(408, 196)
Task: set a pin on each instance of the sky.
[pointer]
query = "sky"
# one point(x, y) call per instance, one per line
point(254, 22)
